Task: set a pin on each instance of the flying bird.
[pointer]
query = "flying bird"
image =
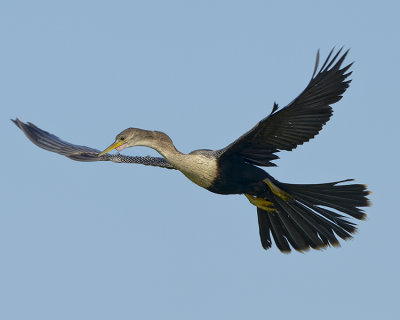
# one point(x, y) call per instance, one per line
point(295, 216)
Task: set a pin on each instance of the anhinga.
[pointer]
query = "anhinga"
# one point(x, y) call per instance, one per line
point(297, 215)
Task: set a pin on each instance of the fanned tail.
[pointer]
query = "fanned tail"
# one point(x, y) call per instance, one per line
point(307, 215)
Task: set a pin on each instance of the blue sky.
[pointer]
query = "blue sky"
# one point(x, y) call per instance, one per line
point(109, 241)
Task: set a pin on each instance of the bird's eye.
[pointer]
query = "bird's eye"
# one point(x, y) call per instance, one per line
point(121, 138)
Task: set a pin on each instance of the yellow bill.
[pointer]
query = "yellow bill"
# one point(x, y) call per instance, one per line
point(115, 145)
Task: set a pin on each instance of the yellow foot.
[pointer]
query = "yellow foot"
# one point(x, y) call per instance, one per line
point(278, 191)
point(261, 203)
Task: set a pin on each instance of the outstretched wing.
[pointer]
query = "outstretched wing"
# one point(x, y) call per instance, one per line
point(299, 121)
point(50, 142)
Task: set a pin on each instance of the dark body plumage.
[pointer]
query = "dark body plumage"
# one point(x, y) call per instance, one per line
point(296, 216)
point(238, 177)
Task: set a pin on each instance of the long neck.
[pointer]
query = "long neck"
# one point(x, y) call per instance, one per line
point(198, 168)
point(163, 144)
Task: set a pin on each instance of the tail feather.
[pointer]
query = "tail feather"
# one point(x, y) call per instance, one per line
point(338, 219)
point(344, 198)
point(321, 226)
point(348, 209)
point(324, 226)
point(278, 233)
point(305, 220)
point(308, 231)
point(265, 229)
point(295, 237)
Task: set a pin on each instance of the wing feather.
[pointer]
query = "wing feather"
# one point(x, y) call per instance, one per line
point(298, 122)
point(50, 142)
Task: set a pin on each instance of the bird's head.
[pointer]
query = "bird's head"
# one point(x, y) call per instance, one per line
point(128, 138)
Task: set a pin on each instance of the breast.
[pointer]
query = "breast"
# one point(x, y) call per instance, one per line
point(200, 169)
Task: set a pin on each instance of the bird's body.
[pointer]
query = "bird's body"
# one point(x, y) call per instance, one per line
point(199, 167)
point(298, 216)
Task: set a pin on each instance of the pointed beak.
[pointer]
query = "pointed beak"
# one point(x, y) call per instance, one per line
point(115, 145)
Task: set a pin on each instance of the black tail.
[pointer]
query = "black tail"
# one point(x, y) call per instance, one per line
point(303, 220)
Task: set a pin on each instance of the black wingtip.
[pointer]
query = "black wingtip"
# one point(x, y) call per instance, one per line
point(25, 127)
point(316, 65)
point(16, 122)
point(274, 108)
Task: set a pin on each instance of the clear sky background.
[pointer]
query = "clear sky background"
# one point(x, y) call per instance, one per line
point(114, 241)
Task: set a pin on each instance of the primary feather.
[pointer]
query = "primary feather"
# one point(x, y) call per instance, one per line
point(298, 122)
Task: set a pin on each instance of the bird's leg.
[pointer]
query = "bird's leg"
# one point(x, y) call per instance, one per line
point(278, 191)
point(261, 203)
